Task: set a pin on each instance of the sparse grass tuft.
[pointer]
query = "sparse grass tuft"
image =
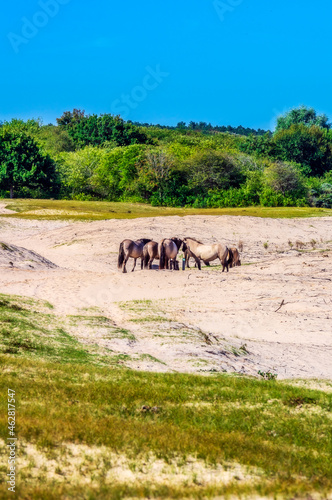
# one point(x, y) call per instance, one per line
point(299, 244)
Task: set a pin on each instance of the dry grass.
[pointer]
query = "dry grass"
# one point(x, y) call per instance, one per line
point(99, 210)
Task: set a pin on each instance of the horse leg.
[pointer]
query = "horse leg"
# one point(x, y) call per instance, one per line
point(197, 261)
point(124, 270)
point(134, 265)
point(224, 264)
point(150, 263)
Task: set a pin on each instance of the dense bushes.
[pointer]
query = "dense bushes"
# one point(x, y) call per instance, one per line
point(100, 130)
point(91, 157)
point(24, 169)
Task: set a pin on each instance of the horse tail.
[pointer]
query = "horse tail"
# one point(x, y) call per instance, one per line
point(225, 259)
point(162, 255)
point(146, 257)
point(121, 255)
point(231, 258)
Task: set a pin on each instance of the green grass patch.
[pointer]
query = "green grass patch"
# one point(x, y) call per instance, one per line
point(27, 329)
point(70, 395)
point(99, 210)
point(281, 430)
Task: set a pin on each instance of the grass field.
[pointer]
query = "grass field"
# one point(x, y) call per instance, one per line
point(89, 429)
point(99, 210)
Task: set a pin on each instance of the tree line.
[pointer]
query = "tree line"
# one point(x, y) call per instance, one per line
point(104, 157)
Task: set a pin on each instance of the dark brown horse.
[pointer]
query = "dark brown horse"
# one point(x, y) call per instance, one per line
point(168, 249)
point(150, 252)
point(130, 248)
point(200, 251)
point(235, 257)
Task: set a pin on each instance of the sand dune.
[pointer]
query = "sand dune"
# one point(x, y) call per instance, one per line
point(208, 320)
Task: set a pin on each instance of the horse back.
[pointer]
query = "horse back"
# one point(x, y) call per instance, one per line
point(151, 248)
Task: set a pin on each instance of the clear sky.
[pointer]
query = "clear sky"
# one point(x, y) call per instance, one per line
point(228, 62)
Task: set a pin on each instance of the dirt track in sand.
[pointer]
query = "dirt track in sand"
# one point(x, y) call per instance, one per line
point(195, 321)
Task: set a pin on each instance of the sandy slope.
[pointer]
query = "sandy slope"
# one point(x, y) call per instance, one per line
point(209, 314)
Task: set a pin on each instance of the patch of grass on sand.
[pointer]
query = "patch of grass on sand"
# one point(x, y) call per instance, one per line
point(99, 210)
point(143, 311)
point(103, 324)
point(27, 329)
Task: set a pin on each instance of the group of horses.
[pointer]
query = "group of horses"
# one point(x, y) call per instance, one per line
point(167, 250)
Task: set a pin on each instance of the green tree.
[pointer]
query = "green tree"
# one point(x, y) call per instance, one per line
point(117, 173)
point(55, 140)
point(302, 115)
point(23, 165)
point(210, 170)
point(261, 145)
point(310, 147)
point(154, 174)
point(78, 169)
point(70, 118)
point(97, 130)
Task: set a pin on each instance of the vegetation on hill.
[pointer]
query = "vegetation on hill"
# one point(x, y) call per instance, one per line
point(90, 157)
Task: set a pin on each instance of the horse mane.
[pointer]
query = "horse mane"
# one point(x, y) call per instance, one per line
point(143, 240)
point(194, 239)
point(177, 241)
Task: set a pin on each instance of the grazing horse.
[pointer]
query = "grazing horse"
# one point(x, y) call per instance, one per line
point(207, 253)
point(235, 257)
point(150, 252)
point(130, 248)
point(168, 249)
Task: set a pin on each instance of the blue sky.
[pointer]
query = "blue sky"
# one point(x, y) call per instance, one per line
point(240, 63)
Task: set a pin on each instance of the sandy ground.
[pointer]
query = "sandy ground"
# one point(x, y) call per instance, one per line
point(210, 321)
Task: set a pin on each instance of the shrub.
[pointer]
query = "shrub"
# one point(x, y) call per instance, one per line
point(210, 170)
point(285, 178)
